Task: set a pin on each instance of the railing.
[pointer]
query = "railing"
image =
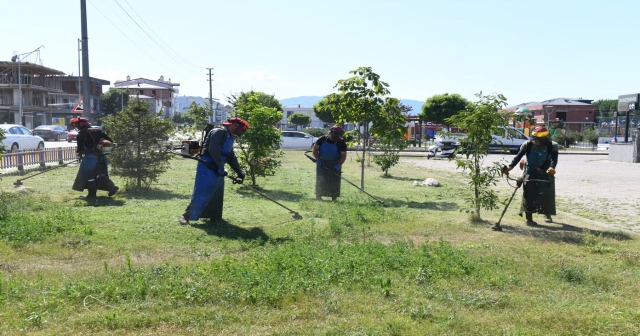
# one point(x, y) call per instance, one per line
point(20, 158)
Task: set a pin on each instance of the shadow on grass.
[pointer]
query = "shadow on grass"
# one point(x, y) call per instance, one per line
point(152, 194)
point(99, 201)
point(438, 206)
point(277, 195)
point(562, 232)
point(224, 229)
point(398, 178)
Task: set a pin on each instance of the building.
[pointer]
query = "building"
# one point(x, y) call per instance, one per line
point(37, 83)
point(61, 105)
point(222, 112)
point(289, 110)
point(165, 92)
point(575, 113)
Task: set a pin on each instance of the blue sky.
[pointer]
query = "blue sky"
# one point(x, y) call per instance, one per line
point(528, 51)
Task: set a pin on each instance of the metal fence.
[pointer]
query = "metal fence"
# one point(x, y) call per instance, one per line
point(20, 158)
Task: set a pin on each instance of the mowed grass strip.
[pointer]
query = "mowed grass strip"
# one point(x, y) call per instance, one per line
point(417, 266)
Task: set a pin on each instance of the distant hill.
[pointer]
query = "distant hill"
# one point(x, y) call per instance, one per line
point(309, 101)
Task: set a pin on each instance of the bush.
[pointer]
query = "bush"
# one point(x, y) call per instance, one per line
point(316, 131)
point(565, 139)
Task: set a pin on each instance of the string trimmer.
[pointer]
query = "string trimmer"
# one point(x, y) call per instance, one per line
point(519, 182)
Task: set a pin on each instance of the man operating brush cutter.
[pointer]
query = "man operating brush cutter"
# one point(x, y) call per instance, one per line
point(329, 151)
point(539, 194)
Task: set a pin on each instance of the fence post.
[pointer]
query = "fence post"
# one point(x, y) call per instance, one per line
point(19, 155)
point(60, 156)
point(41, 156)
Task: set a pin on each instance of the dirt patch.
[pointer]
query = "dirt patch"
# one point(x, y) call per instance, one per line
point(589, 186)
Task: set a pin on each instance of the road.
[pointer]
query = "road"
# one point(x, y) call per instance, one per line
point(589, 186)
point(56, 144)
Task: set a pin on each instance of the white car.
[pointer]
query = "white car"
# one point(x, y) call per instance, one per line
point(19, 137)
point(295, 139)
point(508, 139)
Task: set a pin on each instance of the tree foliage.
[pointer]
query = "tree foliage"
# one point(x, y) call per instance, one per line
point(139, 158)
point(240, 100)
point(361, 102)
point(113, 101)
point(327, 107)
point(480, 119)
point(2, 148)
point(442, 106)
point(606, 107)
point(391, 134)
point(300, 119)
point(199, 114)
point(257, 153)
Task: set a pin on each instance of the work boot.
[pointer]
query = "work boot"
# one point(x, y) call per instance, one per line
point(113, 190)
point(184, 219)
point(334, 198)
point(530, 221)
point(92, 193)
point(547, 219)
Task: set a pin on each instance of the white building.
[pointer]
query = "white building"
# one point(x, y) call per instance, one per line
point(289, 110)
point(164, 92)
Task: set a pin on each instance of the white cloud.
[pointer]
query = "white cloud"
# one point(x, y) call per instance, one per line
point(259, 76)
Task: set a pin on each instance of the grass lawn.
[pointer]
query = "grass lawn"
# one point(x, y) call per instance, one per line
point(418, 266)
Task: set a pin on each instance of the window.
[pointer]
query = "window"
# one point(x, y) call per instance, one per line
point(65, 100)
point(289, 113)
point(561, 115)
point(153, 93)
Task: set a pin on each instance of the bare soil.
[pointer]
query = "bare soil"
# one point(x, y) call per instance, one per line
point(601, 192)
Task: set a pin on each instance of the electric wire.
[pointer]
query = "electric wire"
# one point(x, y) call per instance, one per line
point(125, 35)
point(160, 39)
point(153, 40)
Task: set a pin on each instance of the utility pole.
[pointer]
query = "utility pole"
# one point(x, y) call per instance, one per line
point(86, 92)
point(213, 116)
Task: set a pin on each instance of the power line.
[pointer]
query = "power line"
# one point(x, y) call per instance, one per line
point(152, 39)
point(125, 35)
point(159, 38)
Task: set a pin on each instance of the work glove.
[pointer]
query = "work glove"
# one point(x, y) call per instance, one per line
point(319, 163)
point(338, 169)
point(505, 170)
point(551, 171)
point(240, 178)
point(522, 163)
point(222, 172)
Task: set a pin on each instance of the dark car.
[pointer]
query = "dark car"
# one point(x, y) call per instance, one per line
point(51, 132)
point(71, 136)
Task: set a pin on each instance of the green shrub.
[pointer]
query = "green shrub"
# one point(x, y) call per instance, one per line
point(315, 131)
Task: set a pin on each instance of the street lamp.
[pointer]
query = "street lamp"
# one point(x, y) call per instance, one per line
point(548, 110)
point(17, 58)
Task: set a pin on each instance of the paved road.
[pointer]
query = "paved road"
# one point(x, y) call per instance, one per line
point(589, 186)
point(55, 144)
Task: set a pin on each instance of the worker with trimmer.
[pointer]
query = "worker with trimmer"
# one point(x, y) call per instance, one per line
point(539, 195)
point(93, 173)
point(208, 190)
point(330, 152)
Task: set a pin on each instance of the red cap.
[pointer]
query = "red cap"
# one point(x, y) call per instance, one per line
point(244, 123)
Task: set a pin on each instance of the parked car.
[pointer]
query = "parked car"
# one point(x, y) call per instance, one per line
point(72, 135)
point(508, 139)
point(295, 139)
point(52, 132)
point(19, 137)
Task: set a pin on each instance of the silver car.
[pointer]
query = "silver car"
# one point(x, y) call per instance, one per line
point(295, 139)
point(19, 137)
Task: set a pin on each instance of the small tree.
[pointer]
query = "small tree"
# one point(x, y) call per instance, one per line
point(327, 107)
point(591, 135)
point(361, 102)
point(199, 114)
point(113, 101)
point(139, 159)
point(480, 119)
point(257, 154)
point(391, 134)
point(2, 148)
point(239, 100)
point(300, 119)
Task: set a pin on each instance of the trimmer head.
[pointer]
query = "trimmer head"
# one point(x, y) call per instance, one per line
point(17, 183)
point(296, 215)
